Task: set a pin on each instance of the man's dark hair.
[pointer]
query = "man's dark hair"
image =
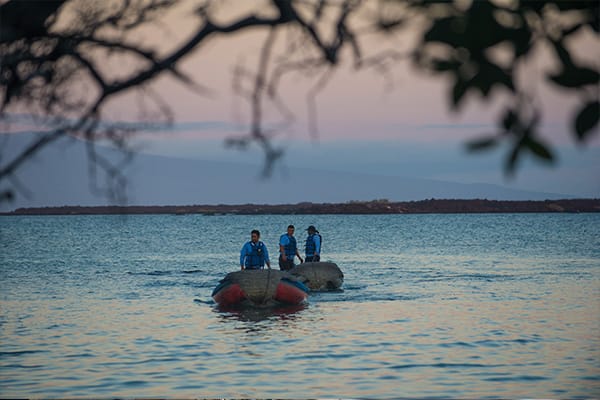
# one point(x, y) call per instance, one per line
point(255, 231)
point(291, 226)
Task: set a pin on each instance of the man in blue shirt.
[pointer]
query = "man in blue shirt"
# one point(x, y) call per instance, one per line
point(254, 253)
point(313, 245)
point(288, 249)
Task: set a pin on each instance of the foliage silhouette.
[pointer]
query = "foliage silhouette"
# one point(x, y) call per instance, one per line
point(53, 52)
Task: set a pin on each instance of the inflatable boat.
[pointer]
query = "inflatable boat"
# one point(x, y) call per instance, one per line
point(319, 275)
point(262, 287)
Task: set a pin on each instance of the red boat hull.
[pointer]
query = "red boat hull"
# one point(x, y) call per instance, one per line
point(229, 295)
point(287, 292)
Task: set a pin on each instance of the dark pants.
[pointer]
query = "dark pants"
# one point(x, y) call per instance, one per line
point(286, 265)
point(315, 258)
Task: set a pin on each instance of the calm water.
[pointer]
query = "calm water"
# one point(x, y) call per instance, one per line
point(468, 306)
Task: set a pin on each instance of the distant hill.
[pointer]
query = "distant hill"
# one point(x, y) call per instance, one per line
point(59, 176)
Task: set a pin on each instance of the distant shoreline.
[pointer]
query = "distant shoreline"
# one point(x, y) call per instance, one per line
point(431, 206)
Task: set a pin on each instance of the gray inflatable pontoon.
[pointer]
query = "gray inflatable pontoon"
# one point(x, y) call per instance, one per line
point(260, 287)
point(319, 275)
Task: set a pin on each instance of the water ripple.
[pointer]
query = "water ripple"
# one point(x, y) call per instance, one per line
point(445, 365)
point(432, 306)
point(20, 353)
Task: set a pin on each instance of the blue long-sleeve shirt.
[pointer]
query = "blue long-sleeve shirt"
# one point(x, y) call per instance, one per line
point(317, 250)
point(317, 240)
point(249, 250)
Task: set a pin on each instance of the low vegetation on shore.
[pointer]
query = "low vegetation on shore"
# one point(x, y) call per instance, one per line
point(381, 206)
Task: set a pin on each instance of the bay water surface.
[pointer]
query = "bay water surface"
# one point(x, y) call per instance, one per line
point(452, 306)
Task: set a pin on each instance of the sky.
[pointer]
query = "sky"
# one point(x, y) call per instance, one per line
point(385, 125)
point(364, 123)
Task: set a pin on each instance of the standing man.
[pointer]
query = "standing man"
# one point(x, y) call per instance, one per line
point(313, 245)
point(288, 249)
point(254, 253)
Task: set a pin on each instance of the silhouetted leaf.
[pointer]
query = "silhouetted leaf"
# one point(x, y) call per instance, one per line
point(571, 30)
point(509, 120)
point(536, 6)
point(521, 41)
point(483, 30)
point(563, 54)
point(511, 161)
point(490, 75)
point(446, 30)
point(445, 65)
point(576, 5)
point(587, 119)
point(595, 22)
point(7, 196)
point(539, 149)
point(482, 144)
point(576, 77)
point(458, 91)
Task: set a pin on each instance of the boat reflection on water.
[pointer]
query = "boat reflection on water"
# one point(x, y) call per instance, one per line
point(256, 314)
